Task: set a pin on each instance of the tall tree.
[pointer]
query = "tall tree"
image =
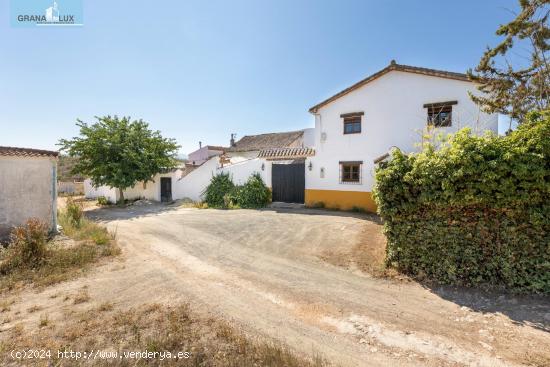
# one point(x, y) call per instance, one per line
point(119, 152)
point(512, 82)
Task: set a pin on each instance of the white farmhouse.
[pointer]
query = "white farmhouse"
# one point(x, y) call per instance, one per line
point(391, 108)
point(28, 187)
point(160, 188)
point(278, 158)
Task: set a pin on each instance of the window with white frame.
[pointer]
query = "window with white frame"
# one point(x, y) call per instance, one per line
point(350, 172)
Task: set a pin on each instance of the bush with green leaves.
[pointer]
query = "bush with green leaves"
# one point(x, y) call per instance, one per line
point(220, 186)
point(74, 211)
point(253, 194)
point(475, 211)
point(223, 193)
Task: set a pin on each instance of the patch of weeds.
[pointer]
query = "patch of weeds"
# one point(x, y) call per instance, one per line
point(44, 321)
point(209, 341)
point(81, 297)
point(34, 309)
point(103, 201)
point(5, 305)
point(31, 260)
point(317, 205)
point(358, 209)
point(200, 205)
point(105, 307)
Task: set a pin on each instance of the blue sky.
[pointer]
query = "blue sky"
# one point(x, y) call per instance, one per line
point(200, 70)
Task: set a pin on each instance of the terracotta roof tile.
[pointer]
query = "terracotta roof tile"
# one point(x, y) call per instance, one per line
point(266, 141)
point(286, 153)
point(391, 67)
point(26, 152)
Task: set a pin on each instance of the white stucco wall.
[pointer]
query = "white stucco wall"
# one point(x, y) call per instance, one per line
point(393, 116)
point(28, 189)
point(151, 191)
point(242, 166)
point(192, 185)
point(309, 138)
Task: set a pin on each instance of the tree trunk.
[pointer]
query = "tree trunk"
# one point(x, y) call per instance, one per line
point(121, 199)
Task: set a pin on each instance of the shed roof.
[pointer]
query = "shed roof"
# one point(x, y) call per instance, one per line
point(26, 152)
point(391, 67)
point(266, 141)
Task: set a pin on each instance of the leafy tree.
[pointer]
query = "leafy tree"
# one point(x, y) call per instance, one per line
point(516, 90)
point(119, 152)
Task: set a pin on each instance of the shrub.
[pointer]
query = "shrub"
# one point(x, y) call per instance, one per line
point(253, 194)
point(102, 200)
point(74, 212)
point(220, 185)
point(475, 211)
point(27, 246)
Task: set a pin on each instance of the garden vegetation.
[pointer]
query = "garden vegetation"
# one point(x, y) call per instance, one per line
point(475, 211)
point(32, 258)
point(223, 193)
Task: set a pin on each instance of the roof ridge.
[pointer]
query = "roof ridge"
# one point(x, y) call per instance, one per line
point(14, 151)
point(393, 66)
point(280, 132)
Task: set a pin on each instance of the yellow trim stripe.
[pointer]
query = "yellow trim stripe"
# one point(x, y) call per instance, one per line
point(344, 200)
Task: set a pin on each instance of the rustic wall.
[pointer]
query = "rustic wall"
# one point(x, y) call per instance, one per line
point(27, 189)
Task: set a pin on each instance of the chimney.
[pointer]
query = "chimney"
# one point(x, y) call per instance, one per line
point(232, 141)
point(200, 144)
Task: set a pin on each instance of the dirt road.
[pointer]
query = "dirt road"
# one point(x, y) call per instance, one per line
point(262, 270)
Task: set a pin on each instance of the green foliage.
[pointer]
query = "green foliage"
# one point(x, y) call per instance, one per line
point(27, 246)
point(102, 200)
point(475, 211)
point(74, 212)
point(510, 89)
point(222, 193)
point(253, 194)
point(220, 186)
point(119, 152)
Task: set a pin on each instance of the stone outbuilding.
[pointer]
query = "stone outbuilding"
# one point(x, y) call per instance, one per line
point(28, 187)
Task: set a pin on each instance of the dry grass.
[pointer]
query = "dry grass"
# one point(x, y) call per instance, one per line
point(81, 297)
point(60, 262)
point(34, 308)
point(154, 328)
point(105, 307)
point(44, 321)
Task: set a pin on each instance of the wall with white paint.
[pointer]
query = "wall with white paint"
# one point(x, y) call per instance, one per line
point(149, 191)
point(242, 166)
point(203, 154)
point(28, 189)
point(393, 116)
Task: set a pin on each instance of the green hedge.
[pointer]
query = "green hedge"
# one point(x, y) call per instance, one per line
point(475, 211)
point(222, 193)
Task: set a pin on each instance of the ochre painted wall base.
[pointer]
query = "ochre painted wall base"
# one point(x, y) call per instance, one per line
point(344, 200)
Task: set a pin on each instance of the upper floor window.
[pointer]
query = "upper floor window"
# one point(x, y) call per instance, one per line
point(440, 114)
point(352, 122)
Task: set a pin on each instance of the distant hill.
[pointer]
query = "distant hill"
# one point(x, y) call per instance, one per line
point(64, 166)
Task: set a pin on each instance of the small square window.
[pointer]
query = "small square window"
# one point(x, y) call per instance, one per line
point(440, 116)
point(352, 125)
point(350, 172)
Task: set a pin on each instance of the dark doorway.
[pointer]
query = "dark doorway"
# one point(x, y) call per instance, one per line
point(288, 182)
point(165, 189)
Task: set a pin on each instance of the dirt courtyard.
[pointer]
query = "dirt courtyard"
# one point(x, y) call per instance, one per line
point(266, 271)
